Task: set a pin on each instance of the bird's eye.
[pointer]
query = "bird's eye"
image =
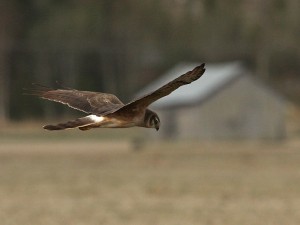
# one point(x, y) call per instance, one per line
point(156, 120)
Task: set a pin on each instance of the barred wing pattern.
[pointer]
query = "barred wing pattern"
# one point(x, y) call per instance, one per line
point(86, 101)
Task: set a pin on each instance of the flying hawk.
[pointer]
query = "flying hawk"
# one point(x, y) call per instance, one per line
point(107, 111)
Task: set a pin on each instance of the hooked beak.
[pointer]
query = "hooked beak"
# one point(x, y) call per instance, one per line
point(157, 128)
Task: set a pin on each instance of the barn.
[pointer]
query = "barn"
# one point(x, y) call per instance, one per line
point(227, 102)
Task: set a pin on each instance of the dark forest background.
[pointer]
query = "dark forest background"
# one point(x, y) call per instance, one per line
point(119, 46)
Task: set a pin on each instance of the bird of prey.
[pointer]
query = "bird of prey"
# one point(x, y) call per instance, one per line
point(107, 111)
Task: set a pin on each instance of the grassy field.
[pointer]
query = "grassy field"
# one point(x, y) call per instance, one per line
point(63, 178)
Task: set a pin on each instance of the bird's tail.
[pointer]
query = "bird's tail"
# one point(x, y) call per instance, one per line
point(78, 123)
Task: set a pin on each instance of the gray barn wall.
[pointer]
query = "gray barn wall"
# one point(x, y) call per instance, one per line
point(243, 109)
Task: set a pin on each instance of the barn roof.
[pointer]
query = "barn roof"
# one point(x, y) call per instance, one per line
point(215, 77)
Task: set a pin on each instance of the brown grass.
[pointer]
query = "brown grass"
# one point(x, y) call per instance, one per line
point(89, 181)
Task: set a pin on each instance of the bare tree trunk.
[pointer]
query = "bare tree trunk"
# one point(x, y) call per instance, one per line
point(69, 69)
point(68, 63)
point(107, 70)
point(293, 12)
point(4, 87)
point(264, 45)
point(294, 21)
point(7, 10)
point(263, 55)
point(42, 76)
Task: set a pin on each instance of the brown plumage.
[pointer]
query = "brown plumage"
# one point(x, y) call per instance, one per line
point(106, 110)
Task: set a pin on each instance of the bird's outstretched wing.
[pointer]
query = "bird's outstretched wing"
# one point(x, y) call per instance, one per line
point(86, 101)
point(165, 90)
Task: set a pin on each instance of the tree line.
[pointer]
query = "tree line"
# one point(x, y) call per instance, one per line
point(118, 46)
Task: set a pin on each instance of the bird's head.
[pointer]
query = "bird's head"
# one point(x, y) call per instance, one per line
point(155, 122)
point(152, 120)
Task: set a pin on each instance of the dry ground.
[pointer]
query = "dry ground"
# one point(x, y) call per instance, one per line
point(63, 179)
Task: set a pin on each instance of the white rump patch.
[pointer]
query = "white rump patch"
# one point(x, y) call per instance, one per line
point(96, 119)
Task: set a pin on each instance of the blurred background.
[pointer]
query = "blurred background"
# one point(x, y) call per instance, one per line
point(227, 154)
point(120, 46)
